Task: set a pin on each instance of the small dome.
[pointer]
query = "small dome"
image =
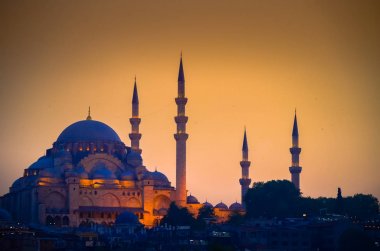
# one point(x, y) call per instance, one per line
point(192, 200)
point(4, 215)
point(127, 175)
point(158, 176)
point(88, 130)
point(236, 206)
point(127, 218)
point(18, 183)
point(207, 204)
point(102, 172)
point(221, 205)
point(42, 163)
point(134, 159)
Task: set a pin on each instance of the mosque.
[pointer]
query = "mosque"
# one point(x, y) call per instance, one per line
point(89, 176)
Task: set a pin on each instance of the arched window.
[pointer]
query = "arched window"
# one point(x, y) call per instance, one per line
point(57, 221)
point(49, 221)
point(65, 221)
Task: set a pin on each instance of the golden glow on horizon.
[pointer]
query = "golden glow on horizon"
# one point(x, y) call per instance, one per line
point(245, 62)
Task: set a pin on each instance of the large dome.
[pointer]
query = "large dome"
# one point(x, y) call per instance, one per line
point(88, 130)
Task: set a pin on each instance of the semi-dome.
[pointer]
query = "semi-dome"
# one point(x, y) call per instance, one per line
point(102, 172)
point(236, 206)
point(42, 163)
point(207, 204)
point(221, 205)
point(192, 200)
point(88, 130)
point(134, 159)
point(127, 218)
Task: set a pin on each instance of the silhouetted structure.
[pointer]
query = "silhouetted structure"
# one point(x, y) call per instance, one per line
point(181, 137)
point(295, 169)
point(244, 181)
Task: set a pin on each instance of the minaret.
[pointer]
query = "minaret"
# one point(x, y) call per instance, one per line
point(181, 137)
point(295, 169)
point(245, 181)
point(135, 135)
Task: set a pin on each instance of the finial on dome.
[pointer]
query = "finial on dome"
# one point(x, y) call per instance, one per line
point(89, 114)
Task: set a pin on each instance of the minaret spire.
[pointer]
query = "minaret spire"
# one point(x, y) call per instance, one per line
point(181, 136)
point(89, 114)
point(245, 181)
point(135, 98)
point(295, 169)
point(135, 135)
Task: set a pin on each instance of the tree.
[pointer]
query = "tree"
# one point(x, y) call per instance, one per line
point(178, 216)
point(236, 219)
point(276, 198)
point(361, 206)
point(205, 215)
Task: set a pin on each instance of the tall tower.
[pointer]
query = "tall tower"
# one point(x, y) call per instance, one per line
point(135, 135)
point(181, 137)
point(245, 181)
point(295, 169)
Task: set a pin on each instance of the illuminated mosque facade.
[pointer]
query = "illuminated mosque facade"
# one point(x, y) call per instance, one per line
point(90, 176)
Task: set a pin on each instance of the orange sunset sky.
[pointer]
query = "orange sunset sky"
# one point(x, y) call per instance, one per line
point(247, 63)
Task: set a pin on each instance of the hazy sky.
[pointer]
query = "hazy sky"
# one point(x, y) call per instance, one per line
point(247, 63)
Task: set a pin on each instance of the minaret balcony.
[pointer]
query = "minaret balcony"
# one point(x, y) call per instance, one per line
point(135, 120)
point(181, 101)
point(181, 119)
point(245, 163)
point(181, 136)
point(295, 150)
point(135, 136)
point(295, 169)
point(245, 182)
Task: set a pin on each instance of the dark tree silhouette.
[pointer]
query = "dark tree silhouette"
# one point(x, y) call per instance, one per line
point(236, 219)
point(281, 199)
point(361, 206)
point(276, 198)
point(206, 215)
point(178, 216)
point(206, 212)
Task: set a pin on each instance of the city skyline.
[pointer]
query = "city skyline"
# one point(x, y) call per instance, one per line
point(50, 76)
